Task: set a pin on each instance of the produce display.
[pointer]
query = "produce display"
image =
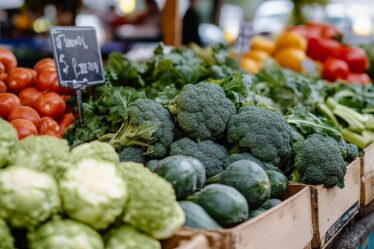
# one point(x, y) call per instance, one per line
point(31, 99)
point(186, 138)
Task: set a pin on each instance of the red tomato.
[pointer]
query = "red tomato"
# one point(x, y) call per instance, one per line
point(44, 63)
point(51, 133)
point(3, 87)
point(8, 102)
point(325, 30)
point(24, 128)
point(29, 96)
point(320, 49)
point(51, 105)
point(20, 78)
point(66, 121)
point(8, 59)
point(25, 112)
point(49, 124)
point(2, 68)
point(46, 79)
point(363, 78)
point(334, 69)
point(355, 57)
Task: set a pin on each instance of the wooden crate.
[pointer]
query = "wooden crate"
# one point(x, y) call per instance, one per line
point(183, 240)
point(286, 226)
point(367, 175)
point(333, 208)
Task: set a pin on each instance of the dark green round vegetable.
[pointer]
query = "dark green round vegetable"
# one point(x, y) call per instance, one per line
point(185, 173)
point(270, 204)
point(152, 164)
point(197, 217)
point(223, 203)
point(255, 212)
point(248, 178)
point(278, 182)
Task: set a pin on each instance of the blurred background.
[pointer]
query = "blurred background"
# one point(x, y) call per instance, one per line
point(125, 25)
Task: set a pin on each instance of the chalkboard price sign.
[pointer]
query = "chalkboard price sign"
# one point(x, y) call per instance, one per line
point(77, 56)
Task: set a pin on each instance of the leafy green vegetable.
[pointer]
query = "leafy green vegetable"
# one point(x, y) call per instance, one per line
point(93, 192)
point(27, 197)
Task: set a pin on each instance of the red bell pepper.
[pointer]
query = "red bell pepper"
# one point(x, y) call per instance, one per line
point(320, 48)
point(355, 57)
point(334, 69)
point(325, 30)
point(363, 78)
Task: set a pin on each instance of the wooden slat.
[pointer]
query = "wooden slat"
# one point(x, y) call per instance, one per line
point(172, 23)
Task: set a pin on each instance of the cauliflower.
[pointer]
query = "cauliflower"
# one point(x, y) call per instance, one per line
point(6, 239)
point(65, 234)
point(96, 150)
point(27, 197)
point(152, 205)
point(44, 153)
point(8, 139)
point(128, 237)
point(93, 192)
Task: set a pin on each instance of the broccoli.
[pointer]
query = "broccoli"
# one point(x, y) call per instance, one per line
point(264, 133)
point(210, 154)
point(8, 139)
point(202, 111)
point(134, 154)
point(318, 160)
point(148, 125)
point(152, 165)
point(152, 205)
point(348, 151)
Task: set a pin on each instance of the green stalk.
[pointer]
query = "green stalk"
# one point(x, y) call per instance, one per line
point(322, 108)
point(353, 123)
point(354, 138)
point(368, 134)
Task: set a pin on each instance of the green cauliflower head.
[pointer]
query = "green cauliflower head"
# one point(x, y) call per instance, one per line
point(95, 150)
point(65, 234)
point(128, 237)
point(152, 205)
point(93, 192)
point(203, 110)
point(6, 239)
point(44, 153)
point(264, 133)
point(210, 154)
point(318, 160)
point(8, 140)
point(27, 197)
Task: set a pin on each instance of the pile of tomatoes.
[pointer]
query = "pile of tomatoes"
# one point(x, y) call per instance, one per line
point(31, 99)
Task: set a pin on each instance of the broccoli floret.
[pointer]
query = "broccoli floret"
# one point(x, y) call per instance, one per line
point(202, 111)
point(348, 151)
point(148, 125)
point(318, 160)
point(210, 154)
point(264, 133)
point(133, 154)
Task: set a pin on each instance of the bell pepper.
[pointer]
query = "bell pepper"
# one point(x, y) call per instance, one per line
point(334, 69)
point(325, 30)
point(321, 48)
point(363, 78)
point(355, 57)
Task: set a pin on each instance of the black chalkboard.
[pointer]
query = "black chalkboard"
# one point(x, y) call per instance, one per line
point(77, 56)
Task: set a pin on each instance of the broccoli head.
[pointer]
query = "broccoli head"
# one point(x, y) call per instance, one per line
point(133, 154)
point(210, 154)
point(148, 125)
point(202, 111)
point(264, 133)
point(318, 160)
